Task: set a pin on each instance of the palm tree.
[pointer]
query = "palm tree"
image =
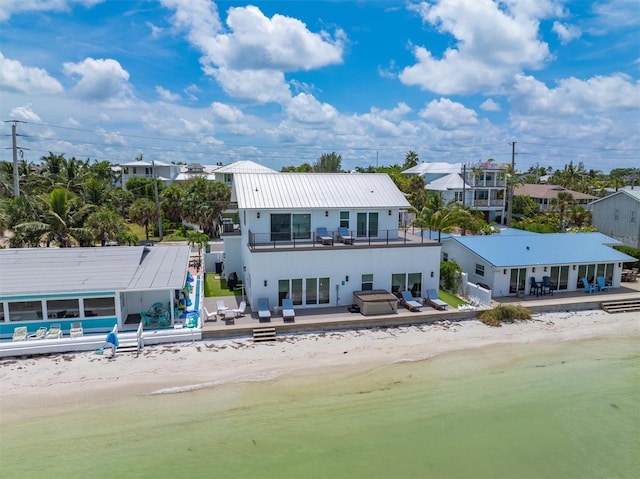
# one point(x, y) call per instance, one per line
point(106, 224)
point(143, 212)
point(197, 238)
point(561, 203)
point(410, 160)
point(171, 203)
point(436, 215)
point(62, 221)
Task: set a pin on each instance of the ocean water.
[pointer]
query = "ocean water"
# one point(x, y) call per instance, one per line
point(511, 411)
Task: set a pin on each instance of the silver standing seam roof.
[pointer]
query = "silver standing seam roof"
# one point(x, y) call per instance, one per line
point(316, 190)
point(29, 271)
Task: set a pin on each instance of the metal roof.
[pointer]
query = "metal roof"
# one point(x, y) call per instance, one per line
point(28, 271)
point(317, 190)
point(504, 251)
point(635, 194)
point(244, 166)
point(548, 191)
point(452, 181)
point(438, 167)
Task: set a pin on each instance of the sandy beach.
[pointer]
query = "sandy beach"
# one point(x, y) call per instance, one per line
point(38, 386)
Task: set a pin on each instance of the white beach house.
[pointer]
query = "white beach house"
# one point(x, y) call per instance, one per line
point(96, 287)
point(290, 243)
point(507, 262)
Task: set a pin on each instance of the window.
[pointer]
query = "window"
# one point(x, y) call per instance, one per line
point(398, 283)
point(63, 308)
point(445, 256)
point(301, 225)
point(367, 282)
point(414, 281)
point(290, 289)
point(25, 310)
point(344, 219)
point(367, 225)
point(99, 307)
point(457, 196)
point(285, 226)
point(311, 296)
point(135, 170)
point(147, 171)
point(482, 195)
point(324, 290)
point(479, 269)
point(126, 170)
point(633, 216)
point(616, 215)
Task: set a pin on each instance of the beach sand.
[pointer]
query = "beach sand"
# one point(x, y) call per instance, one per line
point(41, 386)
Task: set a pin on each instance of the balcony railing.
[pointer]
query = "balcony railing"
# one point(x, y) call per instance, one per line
point(400, 237)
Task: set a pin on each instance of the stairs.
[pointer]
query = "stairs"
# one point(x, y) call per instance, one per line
point(622, 306)
point(264, 334)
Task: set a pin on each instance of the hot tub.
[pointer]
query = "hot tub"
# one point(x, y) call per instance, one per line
point(375, 302)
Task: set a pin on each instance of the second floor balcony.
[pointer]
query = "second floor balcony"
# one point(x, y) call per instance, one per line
point(395, 238)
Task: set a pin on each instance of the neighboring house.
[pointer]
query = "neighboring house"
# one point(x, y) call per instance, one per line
point(544, 195)
point(196, 170)
point(618, 215)
point(481, 185)
point(506, 262)
point(99, 287)
point(165, 172)
point(225, 173)
point(279, 252)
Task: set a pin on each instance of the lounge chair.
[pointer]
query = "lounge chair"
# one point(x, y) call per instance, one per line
point(264, 314)
point(221, 307)
point(547, 285)
point(433, 300)
point(209, 316)
point(588, 287)
point(20, 333)
point(288, 313)
point(40, 333)
point(240, 310)
point(602, 284)
point(344, 235)
point(409, 302)
point(55, 331)
point(323, 236)
point(76, 331)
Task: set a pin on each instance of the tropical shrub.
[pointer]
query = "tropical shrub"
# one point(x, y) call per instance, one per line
point(504, 313)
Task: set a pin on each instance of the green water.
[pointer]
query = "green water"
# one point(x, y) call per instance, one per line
point(529, 411)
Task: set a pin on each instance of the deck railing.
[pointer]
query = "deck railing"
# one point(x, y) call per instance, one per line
point(409, 236)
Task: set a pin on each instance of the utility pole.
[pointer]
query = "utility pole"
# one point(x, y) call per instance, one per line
point(14, 147)
point(464, 184)
point(155, 191)
point(513, 179)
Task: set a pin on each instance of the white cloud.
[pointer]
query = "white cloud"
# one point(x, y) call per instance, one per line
point(566, 32)
point(306, 109)
point(11, 7)
point(112, 137)
point(255, 48)
point(26, 113)
point(494, 41)
point(191, 91)
point(490, 105)
point(28, 80)
point(598, 94)
point(100, 80)
point(166, 95)
point(227, 113)
point(448, 115)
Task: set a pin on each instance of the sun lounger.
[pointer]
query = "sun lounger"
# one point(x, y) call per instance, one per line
point(322, 236)
point(40, 333)
point(20, 333)
point(240, 310)
point(344, 235)
point(210, 316)
point(55, 331)
point(76, 331)
point(409, 302)
point(433, 300)
point(264, 314)
point(288, 313)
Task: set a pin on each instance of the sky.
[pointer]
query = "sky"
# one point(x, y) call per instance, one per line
point(282, 82)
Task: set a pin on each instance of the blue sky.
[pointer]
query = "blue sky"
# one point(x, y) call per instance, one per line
point(281, 82)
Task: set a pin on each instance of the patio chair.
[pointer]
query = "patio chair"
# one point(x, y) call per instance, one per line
point(408, 302)
point(55, 331)
point(221, 306)
point(534, 286)
point(547, 285)
point(210, 316)
point(602, 284)
point(433, 300)
point(76, 331)
point(288, 313)
point(40, 333)
point(323, 236)
point(240, 310)
point(264, 314)
point(344, 235)
point(20, 333)
point(588, 287)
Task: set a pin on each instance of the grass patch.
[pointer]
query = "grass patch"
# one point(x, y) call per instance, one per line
point(214, 286)
point(504, 313)
point(451, 299)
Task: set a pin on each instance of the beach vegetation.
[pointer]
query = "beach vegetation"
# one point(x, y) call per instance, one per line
point(504, 313)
